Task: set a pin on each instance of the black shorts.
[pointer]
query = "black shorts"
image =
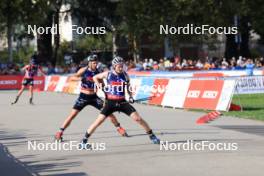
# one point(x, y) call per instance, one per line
point(28, 81)
point(112, 106)
point(84, 100)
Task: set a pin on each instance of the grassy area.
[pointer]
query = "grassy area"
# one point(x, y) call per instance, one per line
point(253, 106)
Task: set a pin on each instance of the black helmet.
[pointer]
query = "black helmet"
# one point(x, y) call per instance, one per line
point(33, 60)
point(92, 57)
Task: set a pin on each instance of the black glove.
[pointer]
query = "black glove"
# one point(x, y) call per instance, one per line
point(131, 100)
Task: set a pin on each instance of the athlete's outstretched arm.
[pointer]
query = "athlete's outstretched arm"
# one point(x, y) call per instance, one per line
point(77, 76)
point(41, 71)
point(24, 68)
point(98, 79)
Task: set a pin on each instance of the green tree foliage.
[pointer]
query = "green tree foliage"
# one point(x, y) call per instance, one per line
point(134, 19)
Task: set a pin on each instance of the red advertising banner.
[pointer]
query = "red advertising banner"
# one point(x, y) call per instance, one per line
point(158, 91)
point(10, 82)
point(14, 82)
point(208, 75)
point(52, 84)
point(39, 83)
point(203, 94)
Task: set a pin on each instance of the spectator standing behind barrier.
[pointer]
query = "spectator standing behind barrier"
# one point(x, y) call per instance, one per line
point(51, 69)
point(148, 64)
point(224, 64)
point(199, 64)
point(145, 64)
point(207, 66)
point(184, 63)
point(139, 66)
point(155, 65)
point(167, 63)
point(232, 64)
point(249, 67)
point(161, 65)
point(240, 62)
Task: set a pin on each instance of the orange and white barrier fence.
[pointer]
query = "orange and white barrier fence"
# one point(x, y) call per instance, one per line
point(62, 84)
point(211, 93)
point(178, 93)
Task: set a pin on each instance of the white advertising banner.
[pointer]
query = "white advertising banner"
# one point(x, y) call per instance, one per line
point(250, 85)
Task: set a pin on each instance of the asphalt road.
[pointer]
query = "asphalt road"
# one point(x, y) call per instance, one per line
point(22, 123)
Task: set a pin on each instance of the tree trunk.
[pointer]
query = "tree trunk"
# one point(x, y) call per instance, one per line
point(135, 49)
point(44, 43)
point(114, 33)
point(231, 49)
point(57, 36)
point(235, 48)
point(10, 34)
point(244, 47)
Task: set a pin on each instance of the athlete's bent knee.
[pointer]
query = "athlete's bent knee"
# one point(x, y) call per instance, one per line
point(136, 117)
